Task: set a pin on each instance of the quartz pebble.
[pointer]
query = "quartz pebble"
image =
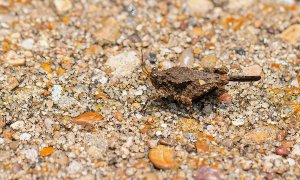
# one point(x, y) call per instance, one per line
point(17, 125)
point(62, 5)
point(166, 65)
point(186, 58)
point(27, 44)
point(296, 150)
point(25, 137)
point(75, 167)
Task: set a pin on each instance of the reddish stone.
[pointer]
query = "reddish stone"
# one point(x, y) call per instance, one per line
point(226, 98)
point(208, 173)
point(282, 151)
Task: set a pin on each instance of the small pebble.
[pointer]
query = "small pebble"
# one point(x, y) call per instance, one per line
point(27, 44)
point(208, 173)
point(12, 83)
point(240, 51)
point(110, 31)
point(186, 58)
point(163, 157)
point(166, 65)
point(123, 64)
point(88, 119)
point(254, 70)
point(25, 137)
point(62, 5)
point(296, 150)
point(200, 6)
point(225, 98)
point(291, 34)
point(46, 151)
point(17, 125)
point(208, 61)
point(261, 134)
point(152, 58)
point(282, 151)
point(14, 59)
point(75, 167)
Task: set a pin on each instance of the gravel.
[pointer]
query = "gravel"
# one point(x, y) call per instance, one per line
point(65, 60)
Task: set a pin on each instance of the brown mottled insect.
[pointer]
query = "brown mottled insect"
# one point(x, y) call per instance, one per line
point(187, 85)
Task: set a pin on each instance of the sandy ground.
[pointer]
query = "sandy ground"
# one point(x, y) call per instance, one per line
point(72, 90)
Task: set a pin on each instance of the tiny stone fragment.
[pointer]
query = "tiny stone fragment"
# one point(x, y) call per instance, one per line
point(14, 59)
point(291, 34)
point(208, 61)
point(109, 32)
point(282, 151)
point(261, 134)
point(254, 70)
point(62, 6)
point(12, 83)
point(46, 151)
point(200, 6)
point(123, 64)
point(186, 58)
point(208, 173)
point(163, 157)
point(225, 98)
point(88, 119)
point(166, 65)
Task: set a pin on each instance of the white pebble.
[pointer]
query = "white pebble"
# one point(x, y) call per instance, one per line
point(25, 137)
point(163, 125)
point(138, 93)
point(291, 161)
point(74, 167)
point(31, 154)
point(239, 121)
point(295, 83)
point(56, 92)
point(138, 116)
point(1, 140)
point(123, 64)
point(103, 80)
point(27, 44)
point(186, 58)
point(158, 133)
point(296, 150)
point(17, 125)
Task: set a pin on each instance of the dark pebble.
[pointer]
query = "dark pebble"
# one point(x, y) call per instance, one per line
point(240, 51)
point(152, 58)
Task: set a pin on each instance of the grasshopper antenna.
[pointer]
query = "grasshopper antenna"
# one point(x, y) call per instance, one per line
point(244, 78)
